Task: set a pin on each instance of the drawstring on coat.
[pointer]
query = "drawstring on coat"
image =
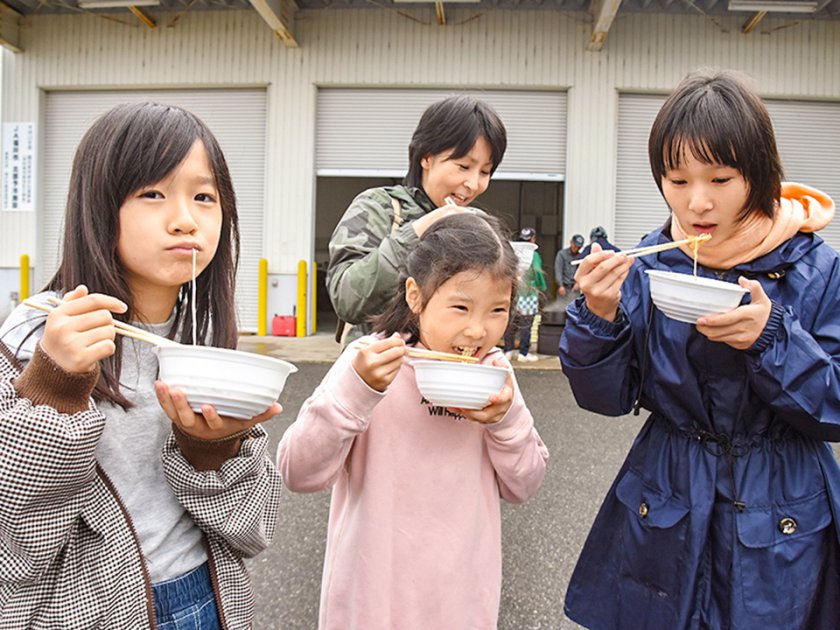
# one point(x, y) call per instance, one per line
point(717, 444)
point(721, 445)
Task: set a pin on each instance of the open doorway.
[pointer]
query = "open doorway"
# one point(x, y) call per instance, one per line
point(537, 204)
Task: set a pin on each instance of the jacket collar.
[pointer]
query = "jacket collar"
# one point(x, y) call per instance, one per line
point(422, 199)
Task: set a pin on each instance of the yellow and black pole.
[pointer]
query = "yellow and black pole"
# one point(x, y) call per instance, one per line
point(301, 300)
point(262, 299)
point(314, 297)
point(24, 277)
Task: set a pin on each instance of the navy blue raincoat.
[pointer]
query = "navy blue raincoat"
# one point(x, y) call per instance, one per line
point(725, 512)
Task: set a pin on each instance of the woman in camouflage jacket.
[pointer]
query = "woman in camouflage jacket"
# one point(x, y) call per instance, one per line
point(458, 144)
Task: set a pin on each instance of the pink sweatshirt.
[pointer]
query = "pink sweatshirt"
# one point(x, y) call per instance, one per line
point(414, 537)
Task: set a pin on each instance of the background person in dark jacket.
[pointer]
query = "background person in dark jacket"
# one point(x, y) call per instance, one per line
point(564, 272)
point(598, 235)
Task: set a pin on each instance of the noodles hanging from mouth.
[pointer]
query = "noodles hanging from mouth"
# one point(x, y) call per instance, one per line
point(192, 297)
point(695, 247)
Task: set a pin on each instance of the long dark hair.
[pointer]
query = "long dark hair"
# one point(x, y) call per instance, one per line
point(454, 124)
point(460, 242)
point(126, 149)
point(719, 119)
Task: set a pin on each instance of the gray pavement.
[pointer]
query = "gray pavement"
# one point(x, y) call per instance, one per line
point(541, 539)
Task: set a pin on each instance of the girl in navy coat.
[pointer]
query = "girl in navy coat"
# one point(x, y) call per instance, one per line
point(724, 514)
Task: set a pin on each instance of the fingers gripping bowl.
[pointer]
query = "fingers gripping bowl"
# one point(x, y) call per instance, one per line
point(238, 384)
point(685, 297)
point(459, 385)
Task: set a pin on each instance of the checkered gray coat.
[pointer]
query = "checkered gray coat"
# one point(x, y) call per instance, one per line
point(69, 557)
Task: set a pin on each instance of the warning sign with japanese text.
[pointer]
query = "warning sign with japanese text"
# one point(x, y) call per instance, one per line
point(18, 167)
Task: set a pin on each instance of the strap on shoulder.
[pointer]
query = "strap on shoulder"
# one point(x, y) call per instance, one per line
point(397, 214)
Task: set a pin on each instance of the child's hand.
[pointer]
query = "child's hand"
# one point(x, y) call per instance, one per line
point(428, 220)
point(207, 425)
point(80, 332)
point(600, 276)
point(498, 405)
point(379, 362)
point(740, 327)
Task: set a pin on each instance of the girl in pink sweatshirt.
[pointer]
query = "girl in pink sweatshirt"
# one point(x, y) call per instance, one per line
point(414, 536)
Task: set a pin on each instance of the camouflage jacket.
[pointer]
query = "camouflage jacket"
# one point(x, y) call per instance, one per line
point(366, 257)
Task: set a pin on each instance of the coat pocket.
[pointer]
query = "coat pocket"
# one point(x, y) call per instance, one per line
point(781, 554)
point(654, 535)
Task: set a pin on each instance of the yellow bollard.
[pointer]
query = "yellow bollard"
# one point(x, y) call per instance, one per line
point(262, 299)
point(314, 297)
point(301, 300)
point(24, 277)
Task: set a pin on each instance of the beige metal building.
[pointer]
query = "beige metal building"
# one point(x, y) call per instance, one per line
point(314, 103)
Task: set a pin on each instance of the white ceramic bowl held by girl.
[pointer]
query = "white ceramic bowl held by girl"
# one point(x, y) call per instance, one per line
point(683, 297)
point(460, 385)
point(524, 253)
point(238, 384)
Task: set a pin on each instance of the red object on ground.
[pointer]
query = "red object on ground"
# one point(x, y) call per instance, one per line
point(284, 326)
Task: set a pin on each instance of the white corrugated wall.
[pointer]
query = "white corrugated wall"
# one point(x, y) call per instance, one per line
point(538, 49)
point(366, 132)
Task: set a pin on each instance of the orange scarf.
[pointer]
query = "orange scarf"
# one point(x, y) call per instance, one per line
point(800, 209)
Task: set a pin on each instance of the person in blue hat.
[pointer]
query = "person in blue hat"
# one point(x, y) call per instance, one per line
point(527, 304)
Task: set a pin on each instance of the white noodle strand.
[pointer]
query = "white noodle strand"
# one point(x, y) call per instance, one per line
point(192, 302)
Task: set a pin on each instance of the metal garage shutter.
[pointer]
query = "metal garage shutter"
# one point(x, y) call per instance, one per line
point(808, 137)
point(237, 118)
point(365, 132)
point(639, 207)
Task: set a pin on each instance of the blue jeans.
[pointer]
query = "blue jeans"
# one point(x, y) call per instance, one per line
point(523, 323)
point(187, 602)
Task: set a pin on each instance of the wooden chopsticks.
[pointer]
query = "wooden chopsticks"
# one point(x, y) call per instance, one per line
point(652, 249)
point(121, 327)
point(422, 353)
